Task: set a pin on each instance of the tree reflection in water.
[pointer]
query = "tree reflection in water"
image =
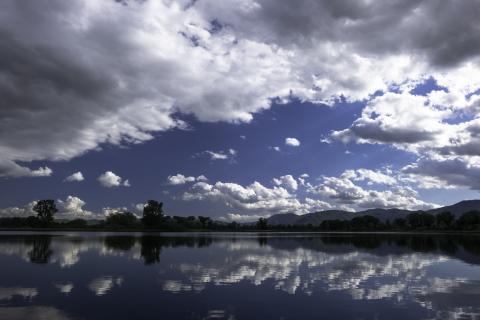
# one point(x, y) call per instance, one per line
point(436, 274)
point(151, 249)
point(41, 249)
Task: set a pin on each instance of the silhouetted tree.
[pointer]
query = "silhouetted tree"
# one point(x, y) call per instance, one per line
point(77, 223)
point(428, 220)
point(388, 225)
point(180, 220)
point(334, 225)
point(421, 220)
point(121, 219)
point(262, 224)
point(204, 221)
point(444, 220)
point(45, 210)
point(399, 223)
point(152, 213)
point(233, 225)
point(469, 220)
point(365, 223)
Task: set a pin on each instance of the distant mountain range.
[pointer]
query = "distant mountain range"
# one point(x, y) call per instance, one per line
point(315, 218)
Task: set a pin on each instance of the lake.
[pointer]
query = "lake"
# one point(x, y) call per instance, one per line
point(69, 275)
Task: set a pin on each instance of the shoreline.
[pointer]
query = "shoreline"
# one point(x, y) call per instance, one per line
point(96, 230)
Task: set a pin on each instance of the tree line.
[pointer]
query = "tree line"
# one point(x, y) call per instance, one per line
point(153, 217)
point(465, 247)
point(445, 221)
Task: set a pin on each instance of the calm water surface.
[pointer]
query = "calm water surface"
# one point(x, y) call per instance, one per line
point(238, 276)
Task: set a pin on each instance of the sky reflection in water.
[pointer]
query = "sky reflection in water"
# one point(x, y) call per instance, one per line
point(243, 276)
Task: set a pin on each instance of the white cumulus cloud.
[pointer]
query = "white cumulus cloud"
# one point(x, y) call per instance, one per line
point(292, 142)
point(109, 179)
point(77, 176)
point(287, 181)
point(179, 179)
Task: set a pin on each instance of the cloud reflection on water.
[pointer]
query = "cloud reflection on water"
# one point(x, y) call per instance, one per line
point(439, 274)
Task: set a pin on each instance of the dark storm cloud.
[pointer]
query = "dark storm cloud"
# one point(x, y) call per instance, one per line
point(471, 148)
point(77, 74)
point(451, 172)
point(444, 33)
point(60, 84)
point(44, 93)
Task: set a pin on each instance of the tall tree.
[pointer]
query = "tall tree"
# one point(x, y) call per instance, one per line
point(444, 220)
point(45, 210)
point(420, 220)
point(152, 213)
point(205, 221)
point(469, 220)
point(262, 224)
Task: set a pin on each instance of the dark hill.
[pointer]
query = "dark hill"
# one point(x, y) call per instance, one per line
point(316, 218)
point(458, 208)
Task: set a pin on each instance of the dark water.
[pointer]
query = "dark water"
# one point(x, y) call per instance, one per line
point(238, 276)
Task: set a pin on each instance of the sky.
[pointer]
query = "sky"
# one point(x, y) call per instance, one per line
point(238, 109)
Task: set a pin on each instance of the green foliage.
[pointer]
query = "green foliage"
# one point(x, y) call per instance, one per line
point(152, 213)
point(45, 210)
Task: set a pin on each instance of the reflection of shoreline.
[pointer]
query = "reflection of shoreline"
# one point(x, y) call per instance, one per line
point(34, 312)
point(66, 250)
point(363, 268)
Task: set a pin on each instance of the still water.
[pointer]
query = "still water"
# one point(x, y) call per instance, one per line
point(238, 276)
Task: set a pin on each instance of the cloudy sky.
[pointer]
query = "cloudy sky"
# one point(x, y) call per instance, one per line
point(238, 108)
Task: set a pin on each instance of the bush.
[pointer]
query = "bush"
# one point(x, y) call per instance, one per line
point(469, 220)
point(122, 219)
point(418, 220)
point(365, 223)
point(444, 220)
